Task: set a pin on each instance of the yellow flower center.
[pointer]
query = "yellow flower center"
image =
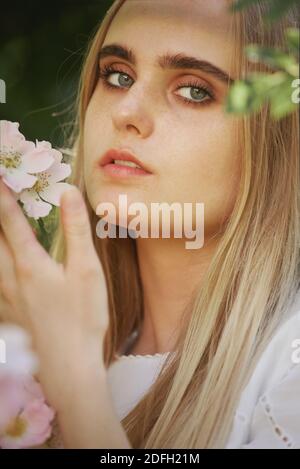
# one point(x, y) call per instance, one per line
point(42, 182)
point(10, 159)
point(16, 427)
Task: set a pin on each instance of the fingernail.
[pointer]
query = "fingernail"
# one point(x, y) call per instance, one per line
point(72, 199)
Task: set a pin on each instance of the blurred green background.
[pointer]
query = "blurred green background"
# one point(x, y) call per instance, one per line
point(41, 51)
point(42, 46)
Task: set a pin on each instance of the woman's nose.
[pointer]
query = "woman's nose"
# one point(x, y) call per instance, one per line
point(132, 113)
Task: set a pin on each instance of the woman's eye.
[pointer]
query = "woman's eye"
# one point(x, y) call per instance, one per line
point(192, 94)
point(196, 94)
point(115, 79)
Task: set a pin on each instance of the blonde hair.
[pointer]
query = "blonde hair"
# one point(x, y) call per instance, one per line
point(248, 287)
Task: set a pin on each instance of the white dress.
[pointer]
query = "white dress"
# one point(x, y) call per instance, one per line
point(268, 413)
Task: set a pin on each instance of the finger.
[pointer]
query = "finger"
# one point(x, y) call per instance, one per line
point(7, 270)
point(77, 229)
point(16, 229)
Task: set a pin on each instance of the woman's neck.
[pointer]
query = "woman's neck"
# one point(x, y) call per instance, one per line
point(171, 275)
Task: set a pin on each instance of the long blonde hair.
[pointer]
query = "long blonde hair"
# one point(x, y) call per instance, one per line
point(250, 283)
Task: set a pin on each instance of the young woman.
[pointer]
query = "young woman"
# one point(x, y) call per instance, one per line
point(142, 342)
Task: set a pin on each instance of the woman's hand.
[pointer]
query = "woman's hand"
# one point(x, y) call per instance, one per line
point(64, 307)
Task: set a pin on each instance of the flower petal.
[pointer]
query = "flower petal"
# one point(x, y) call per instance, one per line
point(57, 155)
point(59, 171)
point(37, 417)
point(36, 160)
point(38, 210)
point(24, 147)
point(38, 414)
point(18, 180)
point(11, 398)
point(33, 205)
point(28, 196)
point(10, 137)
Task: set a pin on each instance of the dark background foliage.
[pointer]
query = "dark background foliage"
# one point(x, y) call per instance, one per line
point(41, 51)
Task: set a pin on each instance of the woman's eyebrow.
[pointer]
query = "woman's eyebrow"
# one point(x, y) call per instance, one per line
point(168, 61)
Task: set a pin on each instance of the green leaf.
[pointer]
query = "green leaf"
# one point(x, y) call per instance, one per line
point(246, 96)
point(281, 99)
point(242, 99)
point(293, 38)
point(275, 58)
point(249, 95)
point(264, 83)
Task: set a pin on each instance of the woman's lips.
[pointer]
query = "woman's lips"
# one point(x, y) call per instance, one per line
point(118, 170)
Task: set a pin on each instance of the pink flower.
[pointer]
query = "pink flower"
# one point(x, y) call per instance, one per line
point(47, 190)
point(16, 358)
point(21, 159)
point(11, 394)
point(31, 424)
point(24, 415)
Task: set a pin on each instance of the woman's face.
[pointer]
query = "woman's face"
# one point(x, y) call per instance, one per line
point(172, 119)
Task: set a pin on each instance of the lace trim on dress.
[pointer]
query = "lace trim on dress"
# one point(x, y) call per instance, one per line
point(131, 356)
point(127, 346)
point(277, 429)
